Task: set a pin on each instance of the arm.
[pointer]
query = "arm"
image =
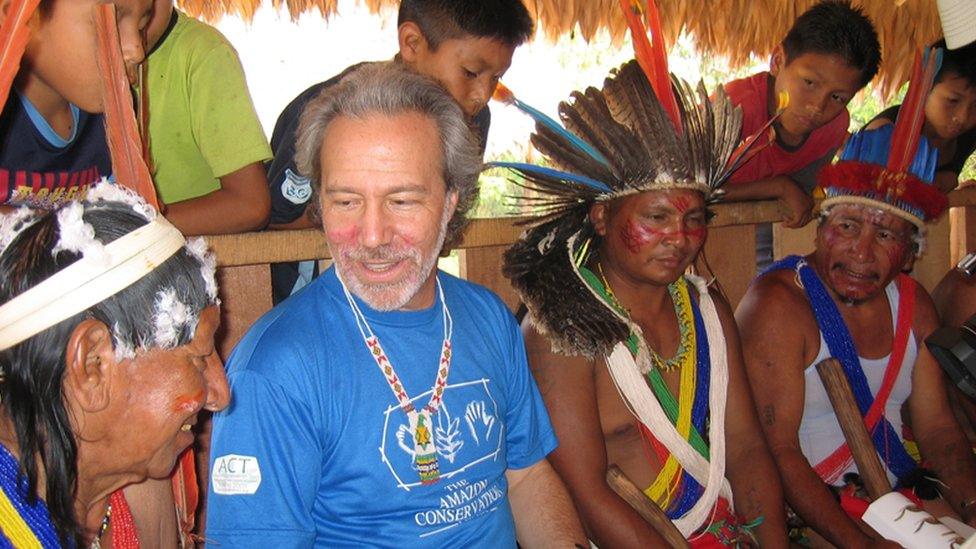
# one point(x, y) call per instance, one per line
point(228, 137)
point(940, 440)
point(775, 343)
point(241, 204)
point(152, 506)
point(303, 222)
point(265, 462)
point(567, 387)
point(794, 202)
point(749, 465)
point(946, 180)
point(544, 514)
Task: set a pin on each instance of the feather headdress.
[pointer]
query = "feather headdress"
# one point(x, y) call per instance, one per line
point(643, 131)
point(893, 167)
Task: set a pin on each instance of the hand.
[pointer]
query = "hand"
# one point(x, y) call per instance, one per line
point(479, 420)
point(796, 204)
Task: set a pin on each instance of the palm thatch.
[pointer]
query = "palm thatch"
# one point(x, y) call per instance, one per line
point(735, 29)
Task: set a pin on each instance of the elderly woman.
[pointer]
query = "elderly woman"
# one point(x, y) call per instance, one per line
point(106, 357)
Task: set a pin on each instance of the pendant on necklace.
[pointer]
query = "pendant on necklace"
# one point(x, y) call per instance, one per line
point(424, 450)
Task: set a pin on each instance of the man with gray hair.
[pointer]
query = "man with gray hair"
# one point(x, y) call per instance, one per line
point(387, 402)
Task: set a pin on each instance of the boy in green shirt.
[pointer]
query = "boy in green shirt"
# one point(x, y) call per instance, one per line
point(205, 139)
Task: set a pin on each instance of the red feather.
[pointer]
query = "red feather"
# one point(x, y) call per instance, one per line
point(880, 183)
point(503, 94)
point(652, 56)
point(14, 34)
point(186, 492)
point(911, 115)
point(124, 143)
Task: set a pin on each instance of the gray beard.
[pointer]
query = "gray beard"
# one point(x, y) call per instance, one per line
point(391, 297)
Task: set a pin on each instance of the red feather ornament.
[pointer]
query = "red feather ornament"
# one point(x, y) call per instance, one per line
point(911, 115)
point(121, 130)
point(14, 34)
point(651, 54)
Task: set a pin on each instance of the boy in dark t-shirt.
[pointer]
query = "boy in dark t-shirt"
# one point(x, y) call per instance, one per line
point(950, 114)
point(51, 148)
point(41, 169)
point(465, 45)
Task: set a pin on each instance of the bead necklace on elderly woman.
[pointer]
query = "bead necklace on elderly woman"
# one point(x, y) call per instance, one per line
point(119, 516)
point(420, 422)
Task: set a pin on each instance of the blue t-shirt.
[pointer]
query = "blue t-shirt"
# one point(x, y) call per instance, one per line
point(39, 168)
point(314, 449)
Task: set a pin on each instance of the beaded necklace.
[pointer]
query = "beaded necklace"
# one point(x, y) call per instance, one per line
point(119, 516)
point(421, 425)
point(22, 523)
point(625, 367)
point(685, 354)
point(674, 490)
point(97, 542)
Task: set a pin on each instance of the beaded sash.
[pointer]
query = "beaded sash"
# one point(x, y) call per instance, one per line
point(628, 374)
point(22, 524)
point(842, 347)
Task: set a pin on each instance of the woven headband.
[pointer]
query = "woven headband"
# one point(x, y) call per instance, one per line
point(88, 281)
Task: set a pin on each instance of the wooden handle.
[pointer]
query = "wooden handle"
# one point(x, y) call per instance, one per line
point(646, 508)
point(855, 432)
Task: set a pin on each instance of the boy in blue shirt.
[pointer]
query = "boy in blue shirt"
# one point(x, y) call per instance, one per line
point(950, 114)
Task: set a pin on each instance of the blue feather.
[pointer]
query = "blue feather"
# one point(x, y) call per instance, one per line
point(556, 174)
point(540, 117)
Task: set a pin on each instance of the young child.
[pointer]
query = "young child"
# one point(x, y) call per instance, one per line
point(52, 145)
point(205, 139)
point(950, 114)
point(465, 45)
point(829, 54)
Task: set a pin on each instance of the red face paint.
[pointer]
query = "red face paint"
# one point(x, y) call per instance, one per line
point(634, 236)
point(186, 403)
point(681, 203)
point(896, 255)
point(345, 234)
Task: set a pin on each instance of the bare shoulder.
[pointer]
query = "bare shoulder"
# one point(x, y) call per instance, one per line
point(551, 369)
point(774, 297)
point(955, 298)
point(723, 308)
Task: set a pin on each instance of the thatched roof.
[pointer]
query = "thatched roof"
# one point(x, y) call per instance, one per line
point(732, 28)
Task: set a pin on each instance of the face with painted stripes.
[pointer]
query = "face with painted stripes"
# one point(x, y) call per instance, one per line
point(651, 237)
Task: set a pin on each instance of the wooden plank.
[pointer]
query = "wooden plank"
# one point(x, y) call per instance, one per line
point(730, 252)
point(962, 236)
point(245, 295)
point(793, 241)
point(484, 266)
point(936, 259)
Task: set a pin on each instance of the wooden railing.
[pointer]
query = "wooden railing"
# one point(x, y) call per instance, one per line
point(244, 259)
